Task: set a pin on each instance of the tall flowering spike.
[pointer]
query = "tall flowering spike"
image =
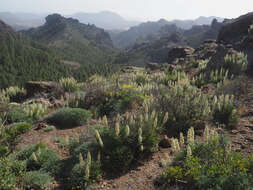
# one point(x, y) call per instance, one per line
point(117, 129)
point(67, 140)
point(181, 139)
point(177, 145)
point(206, 134)
point(118, 118)
point(189, 151)
point(141, 118)
point(146, 116)
point(99, 139)
point(155, 122)
point(39, 152)
point(140, 135)
point(105, 121)
point(89, 158)
point(81, 161)
point(34, 157)
point(127, 131)
point(127, 115)
point(146, 108)
point(99, 156)
point(153, 114)
point(87, 172)
point(190, 136)
point(166, 117)
point(131, 120)
point(141, 148)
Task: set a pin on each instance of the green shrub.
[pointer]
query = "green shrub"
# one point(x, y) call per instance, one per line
point(224, 111)
point(209, 165)
point(69, 84)
point(37, 180)
point(69, 117)
point(17, 114)
point(15, 93)
point(27, 151)
point(236, 64)
point(4, 150)
point(121, 146)
point(10, 133)
point(10, 171)
point(78, 173)
point(44, 159)
point(186, 107)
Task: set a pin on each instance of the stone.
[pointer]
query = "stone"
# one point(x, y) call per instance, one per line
point(165, 142)
point(33, 87)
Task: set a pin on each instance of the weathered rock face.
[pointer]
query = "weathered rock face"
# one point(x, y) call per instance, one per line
point(153, 66)
point(34, 88)
point(233, 31)
point(179, 53)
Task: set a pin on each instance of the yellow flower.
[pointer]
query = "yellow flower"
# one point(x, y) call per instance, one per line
point(126, 86)
point(147, 96)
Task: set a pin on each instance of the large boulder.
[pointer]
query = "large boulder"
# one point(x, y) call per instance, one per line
point(233, 31)
point(179, 54)
point(33, 87)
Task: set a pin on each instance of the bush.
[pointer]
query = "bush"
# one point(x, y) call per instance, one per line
point(37, 180)
point(121, 146)
point(10, 171)
point(15, 93)
point(236, 64)
point(186, 107)
point(27, 151)
point(10, 133)
point(17, 114)
point(44, 159)
point(224, 111)
point(69, 84)
point(78, 173)
point(209, 165)
point(69, 117)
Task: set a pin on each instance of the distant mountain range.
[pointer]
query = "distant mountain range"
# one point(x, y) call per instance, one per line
point(127, 39)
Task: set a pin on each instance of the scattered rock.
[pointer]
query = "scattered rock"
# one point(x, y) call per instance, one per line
point(153, 66)
point(34, 87)
point(165, 142)
point(180, 54)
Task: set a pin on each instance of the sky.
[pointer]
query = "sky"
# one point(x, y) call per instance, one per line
point(141, 10)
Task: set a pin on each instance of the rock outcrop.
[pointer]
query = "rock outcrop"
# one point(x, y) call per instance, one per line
point(180, 53)
point(34, 88)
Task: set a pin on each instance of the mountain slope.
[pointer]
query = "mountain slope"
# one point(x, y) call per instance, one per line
point(22, 59)
point(74, 41)
point(127, 39)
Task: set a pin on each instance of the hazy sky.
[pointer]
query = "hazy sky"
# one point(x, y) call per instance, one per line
point(135, 9)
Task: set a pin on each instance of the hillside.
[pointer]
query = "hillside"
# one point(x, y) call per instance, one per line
point(155, 47)
point(74, 41)
point(127, 39)
point(22, 59)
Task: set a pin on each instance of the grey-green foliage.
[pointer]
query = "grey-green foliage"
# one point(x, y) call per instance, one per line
point(69, 117)
point(37, 180)
point(236, 64)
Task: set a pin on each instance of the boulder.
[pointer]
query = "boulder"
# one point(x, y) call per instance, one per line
point(233, 31)
point(179, 54)
point(153, 66)
point(33, 87)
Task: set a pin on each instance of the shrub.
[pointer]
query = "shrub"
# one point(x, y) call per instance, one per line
point(15, 93)
point(4, 150)
point(236, 64)
point(69, 117)
point(44, 159)
point(35, 111)
point(27, 151)
point(121, 146)
point(209, 165)
point(69, 84)
point(37, 180)
point(10, 133)
point(17, 114)
point(186, 107)
point(224, 110)
point(78, 179)
point(10, 171)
